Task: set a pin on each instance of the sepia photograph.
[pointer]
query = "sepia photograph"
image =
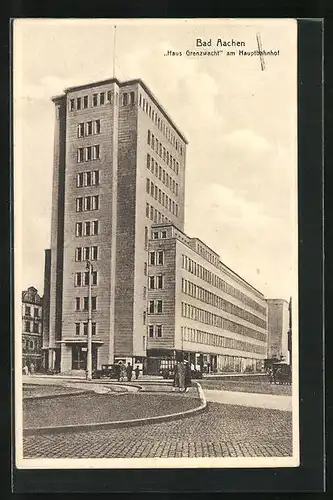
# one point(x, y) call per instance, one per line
point(156, 243)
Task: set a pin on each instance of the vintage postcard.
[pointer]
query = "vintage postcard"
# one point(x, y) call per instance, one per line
point(156, 258)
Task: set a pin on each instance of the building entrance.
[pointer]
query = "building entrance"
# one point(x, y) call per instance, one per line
point(79, 357)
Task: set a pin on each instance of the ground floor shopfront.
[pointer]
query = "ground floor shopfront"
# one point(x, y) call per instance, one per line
point(160, 359)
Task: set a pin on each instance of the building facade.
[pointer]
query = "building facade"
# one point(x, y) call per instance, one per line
point(118, 168)
point(200, 309)
point(279, 327)
point(32, 327)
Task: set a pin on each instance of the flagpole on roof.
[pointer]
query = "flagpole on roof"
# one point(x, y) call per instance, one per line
point(114, 52)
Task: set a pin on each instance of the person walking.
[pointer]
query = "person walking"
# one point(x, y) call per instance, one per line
point(137, 372)
point(118, 370)
point(188, 382)
point(129, 371)
point(181, 376)
point(32, 368)
point(26, 369)
point(176, 377)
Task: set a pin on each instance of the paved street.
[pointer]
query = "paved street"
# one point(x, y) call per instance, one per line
point(220, 431)
point(247, 399)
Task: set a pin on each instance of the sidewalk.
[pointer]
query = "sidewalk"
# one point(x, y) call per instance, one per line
point(254, 400)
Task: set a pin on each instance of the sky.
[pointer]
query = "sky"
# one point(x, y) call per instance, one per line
point(240, 121)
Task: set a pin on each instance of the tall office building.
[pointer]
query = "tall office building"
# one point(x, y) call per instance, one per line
point(119, 167)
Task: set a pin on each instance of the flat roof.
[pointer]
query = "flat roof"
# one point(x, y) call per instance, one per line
point(136, 81)
point(220, 262)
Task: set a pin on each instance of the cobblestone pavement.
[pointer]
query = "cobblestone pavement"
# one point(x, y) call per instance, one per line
point(220, 431)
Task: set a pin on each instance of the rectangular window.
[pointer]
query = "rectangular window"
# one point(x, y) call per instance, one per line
point(151, 306)
point(152, 258)
point(85, 303)
point(95, 177)
point(79, 180)
point(148, 137)
point(145, 268)
point(88, 179)
point(151, 212)
point(163, 234)
point(159, 307)
point(87, 227)
point(27, 326)
point(88, 153)
point(77, 328)
point(95, 227)
point(148, 161)
point(86, 278)
point(85, 102)
point(93, 328)
point(94, 278)
point(97, 126)
point(77, 303)
point(86, 253)
point(147, 209)
point(151, 331)
point(77, 279)
point(95, 202)
point(94, 303)
point(78, 254)
point(148, 186)
point(94, 253)
point(159, 331)
point(89, 128)
point(96, 152)
point(159, 282)
point(27, 310)
point(155, 235)
point(78, 229)
point(78, 103)
point(125, 99)
point(144, 317)
point(151, 282)
point(80, 131)
point(80, 155)
point(102, 98)
point(132, 96)
point(95, 100)
point(72, 105)
point(160, 257)
point(79, 204)
point(85, 328)
point(109, 96)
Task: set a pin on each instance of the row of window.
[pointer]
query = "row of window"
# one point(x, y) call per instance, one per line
point(154, 215)
point(208, 318)
point(92, 127)
point(89, 178)
point(155, 331)
point(28, 311)
point(162, 152)
point(160, 124)
point(32, 326)
point(156, 258)
point(159, 234)
point(202, 273)
point(88, 228)
point(207, 255)
point(97, 99)
point(156, 282)
point(155, 307)
point(31, 344)
point(163, 176)
point(82, 278)
point(201, 337)
point(88, 153)
point(81, 303)
point(82, 328)
point(86, 253)
point(86, 203)
point(161, 197)
point(204, 295)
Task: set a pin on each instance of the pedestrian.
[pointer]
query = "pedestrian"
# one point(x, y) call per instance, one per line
point(118, 370)
point(129, 371)
point(188, 382)
point(26, 369)
point(181, 376)
point(32, 368)
point(175, 377)
point(137, 372)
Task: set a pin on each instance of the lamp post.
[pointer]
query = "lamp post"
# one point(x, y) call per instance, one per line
point(89, 267)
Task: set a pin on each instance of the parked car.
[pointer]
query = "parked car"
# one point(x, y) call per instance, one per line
point(106, 371)
point(282, 373)
point(170, 372)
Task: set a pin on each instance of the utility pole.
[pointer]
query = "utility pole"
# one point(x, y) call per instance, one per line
point(89, 267)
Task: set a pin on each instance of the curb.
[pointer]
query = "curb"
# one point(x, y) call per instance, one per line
point(30, 431)
point(52, 396)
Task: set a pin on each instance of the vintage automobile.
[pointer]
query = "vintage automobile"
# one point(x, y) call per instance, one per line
point(169, 373)
point(281, 373)
point(106, 371)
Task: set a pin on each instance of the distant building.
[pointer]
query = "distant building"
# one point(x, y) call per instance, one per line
point(278, 329)
point(32, 330)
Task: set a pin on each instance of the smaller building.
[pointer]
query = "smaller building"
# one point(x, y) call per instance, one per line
point(32, 310)
point(278, 329)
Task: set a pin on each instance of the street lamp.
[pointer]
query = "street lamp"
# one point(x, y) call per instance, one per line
point(89, 267)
